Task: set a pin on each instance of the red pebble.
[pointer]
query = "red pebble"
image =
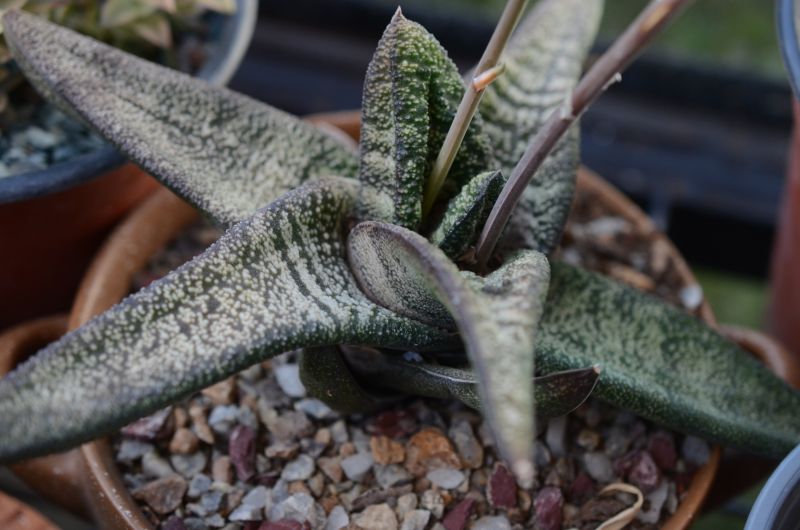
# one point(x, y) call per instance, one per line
point(644, 473)
point(581, 488)
point(456, 519)
point(151, 428)
point(624, 464)
point(548, 506)
point(662, 447)
point(502, 488)
point(242, 448)
point(173, 523)
point(393, 423)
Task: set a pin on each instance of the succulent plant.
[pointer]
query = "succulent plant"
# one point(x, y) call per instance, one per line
point(140, 26)
point(329, 251)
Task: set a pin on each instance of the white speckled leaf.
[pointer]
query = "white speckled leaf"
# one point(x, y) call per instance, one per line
point(467, 213)
point(275, 282)
point(543, 63)
point(224, 152)
point(554, 394)
point(664, 364)
point(411, 93)
point(497, 321)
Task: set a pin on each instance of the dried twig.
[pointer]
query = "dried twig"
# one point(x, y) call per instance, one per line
point(486, 72)
point(602, 74)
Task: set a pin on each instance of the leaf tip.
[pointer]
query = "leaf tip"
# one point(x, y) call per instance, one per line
point(398, 15)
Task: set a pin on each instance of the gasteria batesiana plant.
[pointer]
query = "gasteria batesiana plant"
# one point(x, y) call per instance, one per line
point(331, 251)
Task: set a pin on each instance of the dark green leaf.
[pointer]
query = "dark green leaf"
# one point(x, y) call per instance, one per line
point(467, 213)
point(543, 63)
point(555, 394)
point(275, 282)
point(327, 377)
point(411, 93)
point(224, 152)
point(664, 364)
point(496, 316)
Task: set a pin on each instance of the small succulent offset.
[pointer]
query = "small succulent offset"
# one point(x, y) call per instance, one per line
point(328, 250)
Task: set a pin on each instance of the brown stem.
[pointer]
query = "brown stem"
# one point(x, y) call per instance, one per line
point(605, 71)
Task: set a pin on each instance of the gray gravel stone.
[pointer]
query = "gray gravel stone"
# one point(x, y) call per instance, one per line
point(432, 501)
point(598, 466)
point(357, 465)
point(377, 517)
point(155, 466)
point(288, 376)
point(487, 522)
point(448, 479)
point(315, 408)
point(556, 436)
point(469, 448)
point(391, 475)
point(337, 519)
point(416, 520)
point(695, 451)
point(130, 450)
point(299, 507)
point(299, 469)
point(252, 506)
point(189, 465)
point(199, 484)
point(405, 504)
point(223, 418)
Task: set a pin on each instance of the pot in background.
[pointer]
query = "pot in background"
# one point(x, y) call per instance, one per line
point(784, 308)
point(778, 505)
point(52, 221)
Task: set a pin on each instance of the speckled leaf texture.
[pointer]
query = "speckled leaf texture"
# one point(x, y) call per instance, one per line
point(664, 364)
point(543, 63)
point(411, 93)
point(497, 322)
point(224, 152)
point(466, 214)
point(555, 394)
point(275, 282)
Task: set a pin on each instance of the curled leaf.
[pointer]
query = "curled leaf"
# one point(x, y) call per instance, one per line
point(497, 321)
point(555, 394)
point(625, 517)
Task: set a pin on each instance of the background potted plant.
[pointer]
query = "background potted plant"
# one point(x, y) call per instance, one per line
point(53, 207)
point(380, 253)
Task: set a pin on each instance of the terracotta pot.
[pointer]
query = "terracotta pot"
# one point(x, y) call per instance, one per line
point(784, 308)
point(15, 515)
point(163, 217)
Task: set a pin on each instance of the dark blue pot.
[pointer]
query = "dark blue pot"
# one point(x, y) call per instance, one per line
point(233, 35)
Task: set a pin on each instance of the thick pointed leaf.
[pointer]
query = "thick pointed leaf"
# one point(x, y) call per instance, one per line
point(399, 269)
point(543, 63)
point(224, 152)
point(275, 282)
point(555, 394)
point(327, 377)
point(467, 213)
point(664, 364)
point(411, 93)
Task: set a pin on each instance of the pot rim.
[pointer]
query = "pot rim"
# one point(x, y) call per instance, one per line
point(234, 36)
point(105, 284)
point(780, 485)
point(785, 13)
